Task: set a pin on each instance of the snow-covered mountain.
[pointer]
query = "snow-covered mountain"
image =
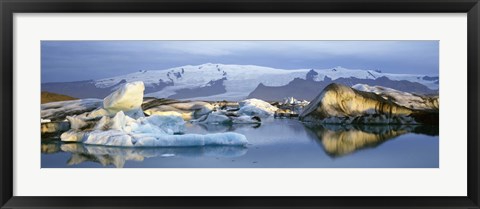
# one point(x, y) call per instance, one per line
point(223, 82)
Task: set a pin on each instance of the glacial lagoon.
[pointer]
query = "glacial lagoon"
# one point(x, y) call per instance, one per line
point(276, 143)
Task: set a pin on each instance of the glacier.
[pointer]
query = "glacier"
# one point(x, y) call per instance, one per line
point(238, 84)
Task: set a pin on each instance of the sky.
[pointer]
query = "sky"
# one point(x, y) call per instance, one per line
point(63, 61)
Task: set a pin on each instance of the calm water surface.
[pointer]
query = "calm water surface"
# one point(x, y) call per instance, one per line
point(277, 143)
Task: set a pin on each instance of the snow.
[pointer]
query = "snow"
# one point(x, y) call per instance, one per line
point(256, 107)
point(243, 79)
point(402, 98)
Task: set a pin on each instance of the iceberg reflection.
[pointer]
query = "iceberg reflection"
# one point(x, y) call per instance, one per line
point(117, 156)
point(341, 140)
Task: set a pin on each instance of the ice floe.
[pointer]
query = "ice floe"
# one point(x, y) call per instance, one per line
point(256, 107)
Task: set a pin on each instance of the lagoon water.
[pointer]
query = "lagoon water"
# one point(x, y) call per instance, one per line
point(276, 143)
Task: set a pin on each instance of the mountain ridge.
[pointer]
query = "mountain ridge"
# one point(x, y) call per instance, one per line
point(222, 81)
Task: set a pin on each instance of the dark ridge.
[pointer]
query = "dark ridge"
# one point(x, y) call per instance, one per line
point(430, 78)
point(308, 89)
point(213, 87)
point(87, 89)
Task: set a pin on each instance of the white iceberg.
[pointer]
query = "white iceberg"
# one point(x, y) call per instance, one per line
point(256, 107)
point(216, 118)
point(127, 98)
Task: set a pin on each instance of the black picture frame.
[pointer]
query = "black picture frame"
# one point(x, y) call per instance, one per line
point(9, 7)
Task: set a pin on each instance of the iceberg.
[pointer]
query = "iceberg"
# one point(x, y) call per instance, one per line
point(115, 125)
point(188, 110)
point(256, 107)
point(127, 98)
point(405, 99)
point(341, 104)
point(216, 118)
point(57, 111)
point(54, 128)
point(153, 131)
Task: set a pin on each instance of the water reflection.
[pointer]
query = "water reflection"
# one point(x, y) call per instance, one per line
point(341, 140)
point(277, 143)
point(117, 156)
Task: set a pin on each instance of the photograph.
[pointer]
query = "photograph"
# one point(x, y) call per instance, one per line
point(239, 104)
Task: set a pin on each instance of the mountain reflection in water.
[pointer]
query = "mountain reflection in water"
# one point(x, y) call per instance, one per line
point(340, 140)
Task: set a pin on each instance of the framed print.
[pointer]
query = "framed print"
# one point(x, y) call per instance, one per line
point(263, 104)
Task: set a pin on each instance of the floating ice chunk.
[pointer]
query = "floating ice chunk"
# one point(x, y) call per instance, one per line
point(153, 131)
point(168, 123)
point(59, 110)
point(76, 123)
point(228, 138)
point(188, 110)
point(256, 107)
point(174, 113)
point(109, 138)
point(126, 98)
point(54, 127)
point(216, 118)
point(119, 138)
point(73, 136)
